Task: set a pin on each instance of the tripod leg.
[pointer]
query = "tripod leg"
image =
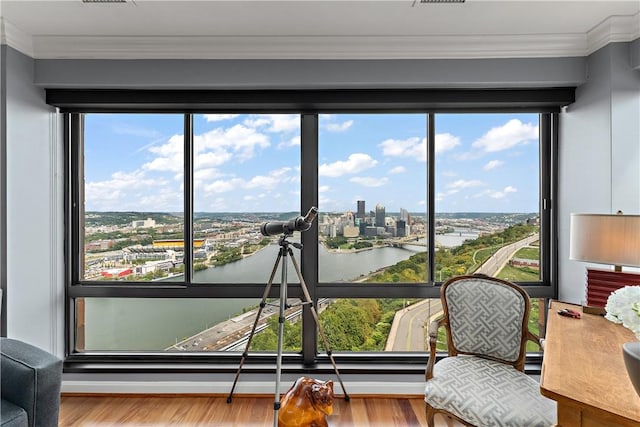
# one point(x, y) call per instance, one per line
point(307, 297)
point(281, 320)
point(255, 325)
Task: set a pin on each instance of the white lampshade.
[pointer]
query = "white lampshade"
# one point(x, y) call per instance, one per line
point(605, 239)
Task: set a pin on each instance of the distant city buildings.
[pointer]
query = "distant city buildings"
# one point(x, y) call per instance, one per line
point(360, 224)
point(143, 223)
point(126, 250)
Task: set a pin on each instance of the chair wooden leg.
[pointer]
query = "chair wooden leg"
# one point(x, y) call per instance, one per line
point(430, 414)
point(448, 420)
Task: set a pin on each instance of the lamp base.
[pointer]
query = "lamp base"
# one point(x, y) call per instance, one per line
point(599, 311)
point(601, 283)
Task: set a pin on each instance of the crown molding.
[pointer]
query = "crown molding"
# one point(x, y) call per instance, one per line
point(309, 47)
point(613, 29)
point(16, 38)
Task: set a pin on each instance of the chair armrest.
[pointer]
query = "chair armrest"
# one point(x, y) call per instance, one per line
point(31, 378)
point(530, 336)
point(433, 340)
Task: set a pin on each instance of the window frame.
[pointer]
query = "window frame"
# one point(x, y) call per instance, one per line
point(309, 104)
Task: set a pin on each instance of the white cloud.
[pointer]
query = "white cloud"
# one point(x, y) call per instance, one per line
point(369, 181)
point(124, 190)
point(211, 159)
point(339, 127)
point(170, 155)
point(497, 194)
point(293, 142)
point(219, 117)
point(217, 204)
point(238, 140)
point(511, 134)
point(416, 147)
point(461, 183)
point(244, 141)
point(173, 164)
point(412, 147)
point(268, 182)
point(446, 142)
point(222, 186)
point(356, 162)
point(213, 148)
point(492, 165)
point(274, 122)
point(159, 201)
point(397, 170)
point(206, 173)
point(450, 192)
point(273, 180)
point(324, 189)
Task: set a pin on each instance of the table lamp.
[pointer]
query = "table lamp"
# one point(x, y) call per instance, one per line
point(612, 239)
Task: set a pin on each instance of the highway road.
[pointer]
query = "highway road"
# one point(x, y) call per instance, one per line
point(409, 329)
point(410, 325)
point(493, 265)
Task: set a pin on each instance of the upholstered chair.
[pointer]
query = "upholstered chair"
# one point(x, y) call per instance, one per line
point(30, 381)
point(482, 381)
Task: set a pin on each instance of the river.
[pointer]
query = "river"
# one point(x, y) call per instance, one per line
point(156, 323)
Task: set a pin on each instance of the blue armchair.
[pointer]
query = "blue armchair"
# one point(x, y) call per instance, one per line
point(30, 380)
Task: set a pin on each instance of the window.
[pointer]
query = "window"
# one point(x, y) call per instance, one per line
point(372, 173)
point(166, 204)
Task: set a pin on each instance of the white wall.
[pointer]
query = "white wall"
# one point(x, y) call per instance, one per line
point(34, 262)
point(599, 153)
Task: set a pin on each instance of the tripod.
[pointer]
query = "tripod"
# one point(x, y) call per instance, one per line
point(285, 251)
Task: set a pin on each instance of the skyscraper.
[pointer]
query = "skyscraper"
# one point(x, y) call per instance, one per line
point(361, 212)
point(380, 216)
point(405, 216)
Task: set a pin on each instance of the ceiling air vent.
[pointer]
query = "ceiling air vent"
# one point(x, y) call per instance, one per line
point(104, 1)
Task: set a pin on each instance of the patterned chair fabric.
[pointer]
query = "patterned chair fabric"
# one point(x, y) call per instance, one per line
point(482, 382)
point(485, 318)
point(487, 393)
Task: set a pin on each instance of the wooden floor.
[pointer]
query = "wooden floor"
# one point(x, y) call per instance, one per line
point(190, 411)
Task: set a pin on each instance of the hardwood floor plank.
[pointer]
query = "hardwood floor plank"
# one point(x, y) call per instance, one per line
point(409, 417)
point(249, 411)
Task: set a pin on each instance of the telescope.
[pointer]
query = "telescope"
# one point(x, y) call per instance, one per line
point(286, 228)
point(300, 223)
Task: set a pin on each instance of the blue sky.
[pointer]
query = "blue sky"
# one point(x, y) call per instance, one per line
point(245, 163)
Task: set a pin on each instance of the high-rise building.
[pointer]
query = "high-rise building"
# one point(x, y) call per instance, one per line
point(380, 216)
point(361, 212)
point(405, 215)
point(401, 227)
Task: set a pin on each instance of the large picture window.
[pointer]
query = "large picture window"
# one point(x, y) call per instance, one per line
point(166, 205)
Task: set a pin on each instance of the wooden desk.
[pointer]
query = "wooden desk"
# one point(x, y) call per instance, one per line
point(583, 370)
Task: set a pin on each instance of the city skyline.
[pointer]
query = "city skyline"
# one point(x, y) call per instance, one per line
point(251, 163)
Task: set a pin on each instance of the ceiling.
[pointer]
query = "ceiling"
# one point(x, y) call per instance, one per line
point(312, 29)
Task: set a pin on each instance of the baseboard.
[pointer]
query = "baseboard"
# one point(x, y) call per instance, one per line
point(223, 388)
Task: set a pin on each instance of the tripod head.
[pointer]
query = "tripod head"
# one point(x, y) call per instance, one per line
point(284, 243)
